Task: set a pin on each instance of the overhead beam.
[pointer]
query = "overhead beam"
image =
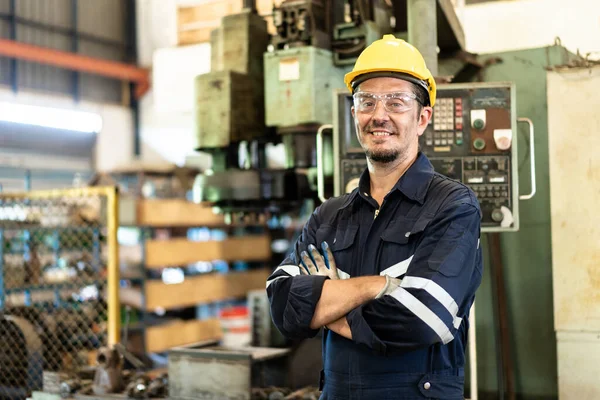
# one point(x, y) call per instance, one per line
point(76, 62)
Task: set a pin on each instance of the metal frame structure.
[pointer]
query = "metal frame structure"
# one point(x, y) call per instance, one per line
point(139, 78)
point(112, 196)
point(16, 50)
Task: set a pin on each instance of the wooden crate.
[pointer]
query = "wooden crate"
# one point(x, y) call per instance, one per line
point(196, 290)
point(176, 212)
point(180, 333)
point(195, 23)
point(180, 251)
point(167, 213)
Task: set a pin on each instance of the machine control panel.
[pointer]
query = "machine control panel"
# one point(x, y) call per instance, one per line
point(470, 139)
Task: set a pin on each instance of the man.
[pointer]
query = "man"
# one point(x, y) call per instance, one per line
point(400, 260)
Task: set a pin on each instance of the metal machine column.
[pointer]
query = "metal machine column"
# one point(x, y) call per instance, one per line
point(421, 34)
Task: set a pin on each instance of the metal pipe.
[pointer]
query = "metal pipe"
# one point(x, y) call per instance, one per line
point(137, 132)
point(2, 271)
point(71, 192)
point(422, 30)
point(75, 48)
point(506, 368)
point(531, 159)
point(473, 355)
point(13, 35)
point(77, 62)
point(496, 313)
point(114, 315)
point(321, 162)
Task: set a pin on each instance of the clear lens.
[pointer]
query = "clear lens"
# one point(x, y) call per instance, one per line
point(393, 102)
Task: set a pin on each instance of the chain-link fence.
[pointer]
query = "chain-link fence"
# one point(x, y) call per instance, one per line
point(58, 283)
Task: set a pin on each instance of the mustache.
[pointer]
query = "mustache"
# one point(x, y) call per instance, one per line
point(373, 126)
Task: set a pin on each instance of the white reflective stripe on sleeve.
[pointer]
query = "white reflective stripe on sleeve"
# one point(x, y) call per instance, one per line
point(342, 274)
point(457, 322)
point(291, 270)
point(423, 313)
point(437, 292)
point(398, 269)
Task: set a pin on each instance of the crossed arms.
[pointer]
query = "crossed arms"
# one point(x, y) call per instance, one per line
point(426, 307)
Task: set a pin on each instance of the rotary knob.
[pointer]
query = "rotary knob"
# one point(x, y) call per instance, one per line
point(497, 215)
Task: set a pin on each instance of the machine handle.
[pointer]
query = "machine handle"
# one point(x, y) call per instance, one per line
point(320, 162)
point(531, 158)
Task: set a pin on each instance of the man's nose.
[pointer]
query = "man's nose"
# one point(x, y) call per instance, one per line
point(380, 113)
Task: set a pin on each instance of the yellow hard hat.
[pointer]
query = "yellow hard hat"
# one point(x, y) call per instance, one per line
point(392, 57)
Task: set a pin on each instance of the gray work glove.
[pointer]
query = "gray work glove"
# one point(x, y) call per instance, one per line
point(315, 264)
point(391, 284)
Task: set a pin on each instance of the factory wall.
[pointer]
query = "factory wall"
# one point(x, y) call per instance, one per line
point(518, 24)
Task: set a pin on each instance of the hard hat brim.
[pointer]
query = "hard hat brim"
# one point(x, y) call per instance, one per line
point(352, 79)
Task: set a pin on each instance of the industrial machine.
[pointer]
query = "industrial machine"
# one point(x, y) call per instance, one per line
point(238, 122)
point(275, 93)
point(231, 122)
point(471, 138)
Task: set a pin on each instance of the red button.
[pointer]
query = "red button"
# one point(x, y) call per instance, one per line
point(458, 100)
point(459, 125)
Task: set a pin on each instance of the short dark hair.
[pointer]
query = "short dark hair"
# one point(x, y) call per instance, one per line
point(422, 96)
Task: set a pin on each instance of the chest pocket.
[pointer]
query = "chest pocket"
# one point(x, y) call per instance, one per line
point(398, 243)
point(342, 242)
point(450, 252)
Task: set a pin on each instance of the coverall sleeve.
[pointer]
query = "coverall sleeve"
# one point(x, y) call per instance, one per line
point(294, 297)
point(436, 292)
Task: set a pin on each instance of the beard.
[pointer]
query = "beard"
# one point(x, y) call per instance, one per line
point(383, 156)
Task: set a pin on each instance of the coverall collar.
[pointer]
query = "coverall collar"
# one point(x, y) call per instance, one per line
point(413, 184)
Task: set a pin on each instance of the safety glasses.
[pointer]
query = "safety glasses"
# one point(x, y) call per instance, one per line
point(398, 102)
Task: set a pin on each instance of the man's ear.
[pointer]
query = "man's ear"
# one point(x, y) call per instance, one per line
point(424, 118)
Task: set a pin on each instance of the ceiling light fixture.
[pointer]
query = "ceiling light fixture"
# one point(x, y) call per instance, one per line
point(49, 117)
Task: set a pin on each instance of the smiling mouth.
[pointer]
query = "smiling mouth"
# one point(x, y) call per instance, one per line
point(380, 133)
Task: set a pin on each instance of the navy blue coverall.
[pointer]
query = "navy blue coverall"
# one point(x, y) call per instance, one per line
point(411, 343)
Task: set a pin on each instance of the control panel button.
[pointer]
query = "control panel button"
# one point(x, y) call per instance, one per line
point(497, 215)
point(478, 124)
point(479, 144)
point(478, 119)
point(503, 138)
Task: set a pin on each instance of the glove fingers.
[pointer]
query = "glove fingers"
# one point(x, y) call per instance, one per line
point(303, 269)
point(308, 262)
point(317, 258)
point(329, 257)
